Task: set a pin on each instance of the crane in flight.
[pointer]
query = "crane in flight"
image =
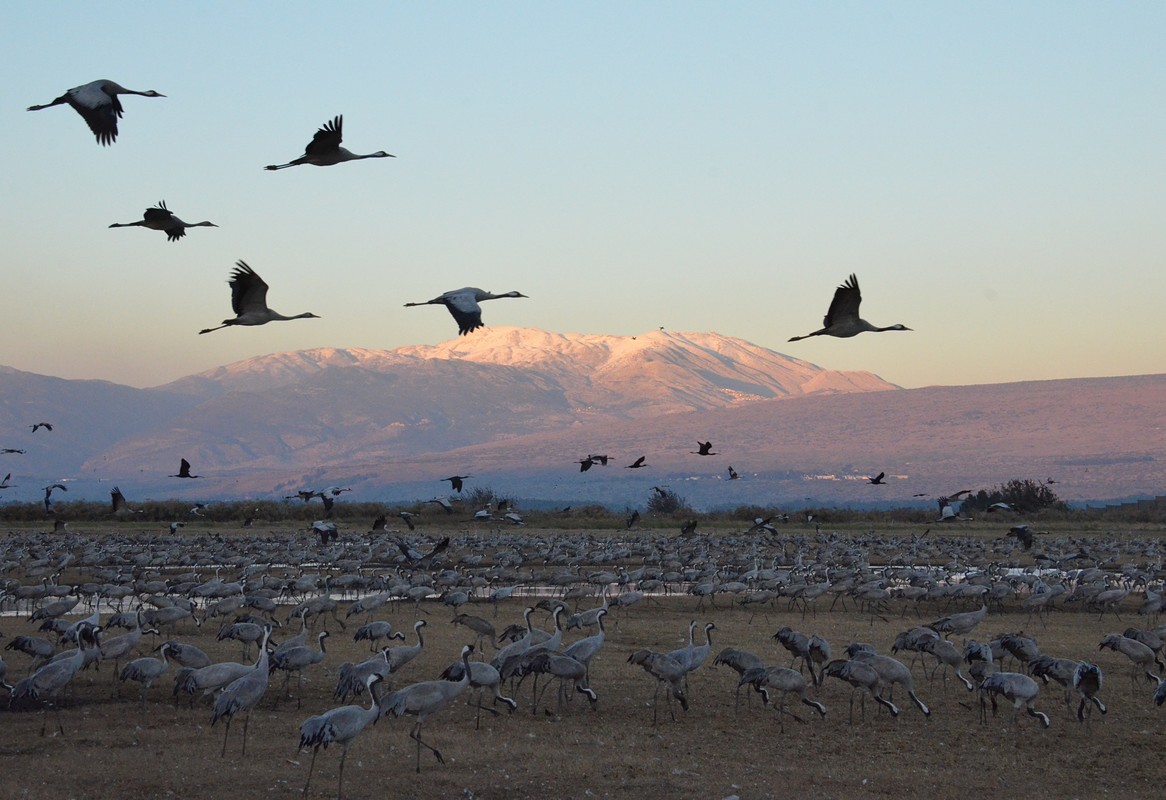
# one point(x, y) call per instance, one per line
point(249, 301)
point(160, 218)
point(98, 105)
point(455, 481)
point(184, 470)
point(324, 150)
point(463, 306)
point(842, 318)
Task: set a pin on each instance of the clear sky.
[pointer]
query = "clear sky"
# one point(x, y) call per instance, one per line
point(995, 173)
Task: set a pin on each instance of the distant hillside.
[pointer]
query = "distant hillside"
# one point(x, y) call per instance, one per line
point(1096, 438)
point(318, 408)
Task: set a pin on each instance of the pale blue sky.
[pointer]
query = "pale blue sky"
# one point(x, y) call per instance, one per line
point(995, 173)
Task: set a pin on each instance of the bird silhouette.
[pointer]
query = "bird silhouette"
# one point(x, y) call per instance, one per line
point(463, 306)
point(249, 301)
point(45, 425)
point(118, 501)
point(706, 449)
point(184, 470)
point(324, 150)
point(160, 218)
point(585, 464)
point(842, 318)
point(455, 481)
point(637, 464)
point(733, 474)
point(877, 480)
point(98, 105)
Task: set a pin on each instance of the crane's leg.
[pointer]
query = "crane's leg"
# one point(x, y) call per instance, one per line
point(311, 766)
point(416, 734)
point(223, 754)
point(340, 783)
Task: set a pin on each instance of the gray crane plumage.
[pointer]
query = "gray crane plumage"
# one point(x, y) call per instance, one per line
point(146, 670)
point(242, 695)
point(98, 105)
point(338, 726)
point(423, 700)
point(463, 306)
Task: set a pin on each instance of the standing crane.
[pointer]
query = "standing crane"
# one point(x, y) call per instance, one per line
point(463, 306)
point(340, 726)
point(98, 105)
point(160, 218)
point(249, 301)
point(842, 318)
point(324, 150)
point(242, 695)
point(423, 700)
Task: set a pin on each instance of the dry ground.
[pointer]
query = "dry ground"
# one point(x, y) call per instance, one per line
point(112, 748)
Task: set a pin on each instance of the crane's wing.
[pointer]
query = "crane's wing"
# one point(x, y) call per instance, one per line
point(464, 308)
point(845, 303)
point(248, 290)
point(327, 139)
point(99, 109)
point(158, 213)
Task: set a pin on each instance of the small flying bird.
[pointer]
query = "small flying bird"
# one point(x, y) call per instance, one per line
point(47, 426)
point(443, 502)
point(4, 483)
point(733, 474)
point(877, 480)
point(706, 449)
point(160, 218)
point(585, 464)
point(198, 508)
point(408, 517)
point(302, 494)
point(463, 306)
point(118, 500)
point(11, 450)
point(174, 526)
point(98, 105)
point(842, 318)
point(637, 464)
point(455, 481)
point(324, 150)
point(49, 494)
point(184, 470)
point(249, 301)
point(336, 491)
point(999, 507)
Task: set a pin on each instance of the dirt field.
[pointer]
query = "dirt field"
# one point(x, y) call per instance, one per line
point(111, 748)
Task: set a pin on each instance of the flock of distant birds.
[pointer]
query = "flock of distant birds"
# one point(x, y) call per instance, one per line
point(378, 576)
point(99, 105)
